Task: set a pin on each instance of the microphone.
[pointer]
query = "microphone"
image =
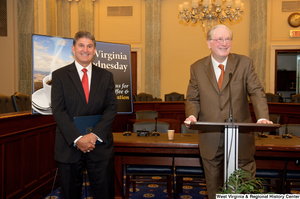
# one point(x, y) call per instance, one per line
point(127, 133)
point(155, 133)
point(230, 119)
point(286, 135)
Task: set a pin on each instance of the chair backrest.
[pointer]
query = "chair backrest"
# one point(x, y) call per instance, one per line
point(174, 97)
point(156, 99)
point(143, 97)
point(162, 127)
point(292, 129)
point(6, 105)
point(275, 118)
point(145, 114)
point(21, 101)
point(272, 97)
point(184, 129)
point(295, 98)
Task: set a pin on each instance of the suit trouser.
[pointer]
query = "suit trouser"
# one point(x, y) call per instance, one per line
point(214, 170)
point(101, 177)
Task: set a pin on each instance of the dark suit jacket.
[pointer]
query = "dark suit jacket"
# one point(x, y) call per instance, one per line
point(208, 104)
point(68, 101)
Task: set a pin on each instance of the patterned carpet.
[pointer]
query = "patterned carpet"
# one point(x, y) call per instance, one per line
point(148, 190)
point(153, 190)
point(159, 190)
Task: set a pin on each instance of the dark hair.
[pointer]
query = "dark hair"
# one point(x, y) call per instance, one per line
point(211, 31)
point(84, 34)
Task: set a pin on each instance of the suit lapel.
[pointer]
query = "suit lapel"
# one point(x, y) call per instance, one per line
point(209, 69)
point(230, 68)
point(95, 82)
point(76, 80)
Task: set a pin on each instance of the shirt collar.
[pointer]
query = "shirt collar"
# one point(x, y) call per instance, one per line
point(216, 64)
point(79, 67)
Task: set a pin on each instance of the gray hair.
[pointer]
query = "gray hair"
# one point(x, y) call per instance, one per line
point(84, 34)
point(211, 31)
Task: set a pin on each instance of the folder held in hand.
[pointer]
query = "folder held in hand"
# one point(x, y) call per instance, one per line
point(85, 124)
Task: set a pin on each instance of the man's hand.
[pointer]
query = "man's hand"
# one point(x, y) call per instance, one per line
point(188, 121)
point(264, 122)
point(86, 143)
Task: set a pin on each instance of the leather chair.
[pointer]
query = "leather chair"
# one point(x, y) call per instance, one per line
point(157, 99)
point(185, 130)
point(272, 97)
point(21, 102)
point(146, 114)
point(6, 105)
point(271, 179)
point(275, 118)
point(164, 172)
point(187, 174)
point(292, 180)
point(174, 97)
point(141, 97)
point(162, 127)
point(295, 98)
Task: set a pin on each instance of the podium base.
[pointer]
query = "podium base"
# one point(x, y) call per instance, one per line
point(127, 133)
point(155, 133)
point(286, 136)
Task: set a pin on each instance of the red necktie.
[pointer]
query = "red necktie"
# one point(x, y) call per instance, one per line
point(221, 66)
point(85, 84)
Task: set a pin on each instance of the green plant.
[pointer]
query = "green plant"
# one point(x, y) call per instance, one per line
point(240, 182)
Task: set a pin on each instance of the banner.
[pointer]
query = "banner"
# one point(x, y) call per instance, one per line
point(50, 53)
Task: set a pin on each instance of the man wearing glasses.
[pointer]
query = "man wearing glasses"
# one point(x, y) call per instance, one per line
point(208, 100)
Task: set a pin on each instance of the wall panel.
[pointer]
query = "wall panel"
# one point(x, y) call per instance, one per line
point(280, 29)
point(120, 29)
point(30, 159)
point(26, 154)
point(13, 165)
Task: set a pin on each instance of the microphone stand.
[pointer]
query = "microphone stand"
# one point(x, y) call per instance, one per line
point(286, 135)
point(155, 133)
point(127, 133)
point(229, 120)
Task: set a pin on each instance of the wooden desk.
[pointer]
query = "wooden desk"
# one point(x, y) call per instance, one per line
point(174, 123)
point(272, 152)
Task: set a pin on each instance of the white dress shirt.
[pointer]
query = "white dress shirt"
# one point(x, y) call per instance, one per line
point(89, 74)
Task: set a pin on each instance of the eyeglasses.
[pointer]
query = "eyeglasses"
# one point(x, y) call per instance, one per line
point(221, 40)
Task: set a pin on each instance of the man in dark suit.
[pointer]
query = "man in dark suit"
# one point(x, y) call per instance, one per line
point(209, 102)
point(74, 152)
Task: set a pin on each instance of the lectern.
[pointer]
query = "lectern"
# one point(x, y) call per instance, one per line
point(231, 132)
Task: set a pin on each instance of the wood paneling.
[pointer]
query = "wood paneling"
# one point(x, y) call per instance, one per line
point(26, 154)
